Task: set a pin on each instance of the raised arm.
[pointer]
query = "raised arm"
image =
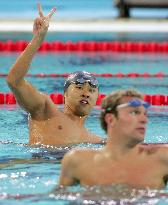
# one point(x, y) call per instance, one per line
point(27, 96)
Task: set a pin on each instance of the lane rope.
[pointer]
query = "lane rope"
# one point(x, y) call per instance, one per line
point(105, 75)
point(89, 46)
point(58, 98)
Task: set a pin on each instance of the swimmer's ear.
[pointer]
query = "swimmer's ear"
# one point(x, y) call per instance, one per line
point(109, 118)
point(65, 94)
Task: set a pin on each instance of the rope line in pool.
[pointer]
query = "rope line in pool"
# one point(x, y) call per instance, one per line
point(58, 98)
point(106, 75)
point(89, 46)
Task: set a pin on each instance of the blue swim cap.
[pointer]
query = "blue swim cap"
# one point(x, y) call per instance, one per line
point(80, 77)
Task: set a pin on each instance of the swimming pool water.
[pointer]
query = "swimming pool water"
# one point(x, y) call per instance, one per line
point(95, 9)
point(96, 63)
point(88, 36)
point(29, 175)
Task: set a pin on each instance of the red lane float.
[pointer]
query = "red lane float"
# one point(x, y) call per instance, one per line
point(89, 46)
point(11, 46)
point(105, 75)
point(10, 99)
point(100, 98)
point(2, 98)
point(58, 98)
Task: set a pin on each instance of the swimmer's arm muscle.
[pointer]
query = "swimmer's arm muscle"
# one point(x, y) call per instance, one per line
point(22, 64)
point(24, 91)
point(27, 96)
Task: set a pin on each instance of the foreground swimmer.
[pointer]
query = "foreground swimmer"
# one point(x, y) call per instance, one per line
point(123, 159)
point(47, 124)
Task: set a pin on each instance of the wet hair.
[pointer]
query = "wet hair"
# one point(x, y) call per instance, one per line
point(111, 101)
point(79, 77)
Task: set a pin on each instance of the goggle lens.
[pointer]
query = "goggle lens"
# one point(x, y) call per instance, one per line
point(137, 103)
point(92, 82)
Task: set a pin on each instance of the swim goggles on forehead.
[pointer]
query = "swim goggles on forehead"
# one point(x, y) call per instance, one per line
point(135, 103)
point(92, 82)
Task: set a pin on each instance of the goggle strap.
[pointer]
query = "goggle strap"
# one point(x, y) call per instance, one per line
point(134, 104)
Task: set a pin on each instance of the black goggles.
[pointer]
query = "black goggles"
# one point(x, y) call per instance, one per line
point(92, 82)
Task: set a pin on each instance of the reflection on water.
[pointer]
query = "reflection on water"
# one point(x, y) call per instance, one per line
point(30, 174)
point(34, 178)
point(112, 195)
point(38, 154)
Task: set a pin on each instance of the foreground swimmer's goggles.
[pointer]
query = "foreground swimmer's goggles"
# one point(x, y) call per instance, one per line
point(92, 82)
point(135, 103)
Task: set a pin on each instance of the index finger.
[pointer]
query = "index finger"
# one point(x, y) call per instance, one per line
point(51, 12)
point(40, 10)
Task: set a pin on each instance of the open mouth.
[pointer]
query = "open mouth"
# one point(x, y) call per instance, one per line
point(84, 102)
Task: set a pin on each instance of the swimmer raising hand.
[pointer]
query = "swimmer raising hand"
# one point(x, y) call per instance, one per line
point(48, 125)
point(41, 23)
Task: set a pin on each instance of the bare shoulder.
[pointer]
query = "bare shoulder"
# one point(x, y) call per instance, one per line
point(72, 165)
point(49, 101)
point(77, 156)
point(159, 149)
point(153, 147)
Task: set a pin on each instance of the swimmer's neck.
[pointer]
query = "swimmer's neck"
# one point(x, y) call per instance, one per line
point(116, 147)
point(70, 113)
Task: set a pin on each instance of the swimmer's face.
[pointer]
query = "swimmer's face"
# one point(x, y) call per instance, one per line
point(131, 121)
point(81, 98)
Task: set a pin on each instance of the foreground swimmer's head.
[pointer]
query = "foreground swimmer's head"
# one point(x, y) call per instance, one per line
point(125, 103)
point(80, 92)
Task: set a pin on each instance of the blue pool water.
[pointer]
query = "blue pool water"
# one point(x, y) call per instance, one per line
point(100, 36)
point(29, 175)
point(74, 9)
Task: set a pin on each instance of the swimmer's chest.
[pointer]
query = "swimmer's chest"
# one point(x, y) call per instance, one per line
point(59, 125)
point(134, 173)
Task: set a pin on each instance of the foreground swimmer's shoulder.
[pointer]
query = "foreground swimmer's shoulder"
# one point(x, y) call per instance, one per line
point(152, 148)
point(77, 157)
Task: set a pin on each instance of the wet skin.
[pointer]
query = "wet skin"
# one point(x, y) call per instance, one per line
point(123, 160)
point(67, 126)
point(48, 125)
